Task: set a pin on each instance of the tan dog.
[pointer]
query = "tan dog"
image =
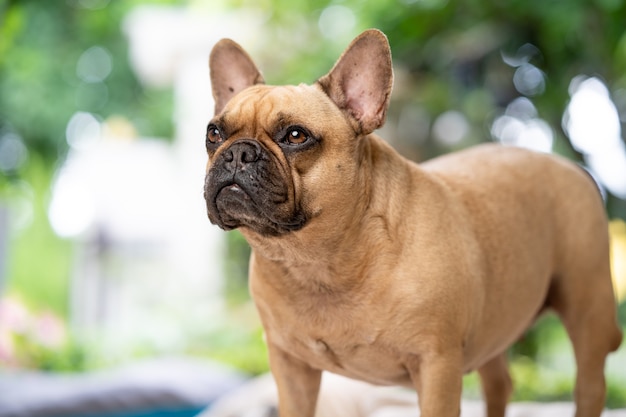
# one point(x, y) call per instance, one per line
point(370, 266)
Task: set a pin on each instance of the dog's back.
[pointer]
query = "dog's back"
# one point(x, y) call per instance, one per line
point(545, 215)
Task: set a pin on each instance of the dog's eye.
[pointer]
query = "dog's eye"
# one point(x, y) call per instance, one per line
point(296, 136)
point(213, 135)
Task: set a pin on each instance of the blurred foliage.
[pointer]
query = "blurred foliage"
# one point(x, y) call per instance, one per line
point(40, 262)
point(621, 313)
point(546, 331)
point(40, 45)
point(36, 339)
point(239, 346)
point(236, 268)
point(72, 356)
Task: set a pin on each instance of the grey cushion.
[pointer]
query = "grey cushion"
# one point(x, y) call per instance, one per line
point(145, 387)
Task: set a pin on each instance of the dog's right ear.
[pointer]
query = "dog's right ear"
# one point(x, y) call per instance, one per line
point(361, 80)
point(232, 71)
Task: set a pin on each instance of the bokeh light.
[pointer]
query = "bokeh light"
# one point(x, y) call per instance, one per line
point(593, 126)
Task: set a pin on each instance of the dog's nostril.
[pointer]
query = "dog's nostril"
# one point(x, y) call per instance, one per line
point(248, 156)
point(243, 152)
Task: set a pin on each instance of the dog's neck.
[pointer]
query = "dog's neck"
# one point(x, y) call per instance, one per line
point(317, 261)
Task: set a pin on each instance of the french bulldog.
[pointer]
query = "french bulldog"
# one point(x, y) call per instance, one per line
point(370, 266)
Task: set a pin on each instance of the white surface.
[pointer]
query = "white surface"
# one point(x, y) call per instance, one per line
point(342, 397)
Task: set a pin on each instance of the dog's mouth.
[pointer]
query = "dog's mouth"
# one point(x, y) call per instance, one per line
point(234, 207)
point(233, 192)
point(255, 196)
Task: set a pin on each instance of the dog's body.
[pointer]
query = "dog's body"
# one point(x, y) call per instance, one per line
point(370, 266)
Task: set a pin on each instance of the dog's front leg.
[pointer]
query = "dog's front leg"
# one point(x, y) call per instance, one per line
point(298, 384)
point(438, 379)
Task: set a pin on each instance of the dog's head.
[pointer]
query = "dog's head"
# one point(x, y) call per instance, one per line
point(280, 156)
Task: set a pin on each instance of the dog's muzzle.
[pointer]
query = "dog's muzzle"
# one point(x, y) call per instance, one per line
point(245, 187)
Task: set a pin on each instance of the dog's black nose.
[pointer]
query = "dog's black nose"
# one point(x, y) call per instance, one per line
point(242, 152)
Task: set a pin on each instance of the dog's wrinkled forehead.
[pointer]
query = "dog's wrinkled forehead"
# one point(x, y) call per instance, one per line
point(268, 107)
point(251, 100)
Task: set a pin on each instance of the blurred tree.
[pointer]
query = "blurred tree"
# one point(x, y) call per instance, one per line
point(60, 57)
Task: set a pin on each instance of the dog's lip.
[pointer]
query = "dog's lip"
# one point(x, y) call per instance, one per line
point(234, 190)
point(232, 187)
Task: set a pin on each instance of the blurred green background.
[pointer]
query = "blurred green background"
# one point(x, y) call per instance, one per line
point(466, 72)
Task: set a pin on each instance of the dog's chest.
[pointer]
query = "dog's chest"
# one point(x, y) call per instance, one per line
point(349, 344)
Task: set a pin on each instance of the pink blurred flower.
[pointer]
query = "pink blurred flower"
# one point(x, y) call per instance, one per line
point(13, 316)
point(49, 330)
point(23, 332)
point(7, 350)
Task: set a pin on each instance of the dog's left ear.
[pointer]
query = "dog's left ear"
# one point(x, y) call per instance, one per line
point(360, 82)
point(232, 70)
